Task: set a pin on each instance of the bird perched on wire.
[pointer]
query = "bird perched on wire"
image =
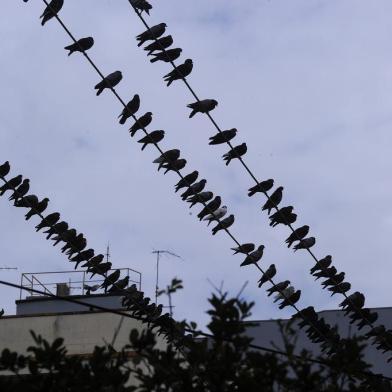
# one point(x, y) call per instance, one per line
point(325, 273)
point(38, 209)
point(181, 71)
point(284, 294)
point(111, 279)
point(81, 45)
point(306, 243)
point(21, 190)
point(334, 280)
point(5, 169)
point(58, 228)
point(236, 152)
point(11, 184)
point(261, 187)
point(167, 156)
point(244, 248)
point(90, 289)
point(341, 288)
point(254, 257)
point(353, 302)
point(66, 236)
point(160, 44)
point(201, 197)
point(152, 33)
point(194, 188)
point(140, 123)
point(132, 107)
point(291, 300)
point(322, 264)
point(119, 285)
point(141, 5)
point(75, 246)
point(93, 261)
point(267, 275)
point(100, 269)
point(109, 81)
point(176, 165)
point(166, 56)
point(27, 201)
point(297, 235)
point(274, 200)
point(187, 181)
point(152, 138)
point(223, 224)
point(223, 137)
point(51, 10)
point(48, 221)
point(204, 106)
point(278, 287)
point(217, 214)
point(210, 207)
point(84, 255)
point(283, 216)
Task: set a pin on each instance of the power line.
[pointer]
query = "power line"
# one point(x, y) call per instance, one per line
point(193, 332)
point(353, 305)
point(287, 299)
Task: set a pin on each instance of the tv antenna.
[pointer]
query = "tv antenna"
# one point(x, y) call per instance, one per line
point(158, 253)
point(8, 268)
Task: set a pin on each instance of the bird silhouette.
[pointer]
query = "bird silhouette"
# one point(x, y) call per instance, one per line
point(141, 5)
point(236, 152)
point(38, 209)
point(297, 235)
point(181, 71)
point(216, 215)
point(81, 45)
point(141, 123)
point(152, 138)
point(261, 187)
point(166, 56)
point(202, 197)
point(11, 184)
point(322, 264)
point(21, 190)
point(210, 207)
point(244, 248)
point(130, 109)
point(160, 44)
point(58, 228)
point(278, 287)
point(109, 81)
point(223, 224)
point(187, 181)
point(194, 188)
point(254, 257)
point(204, 106)
point(274, 200)
point(306, 243)
point(223, 137)
point(5, 169)
point(51, 10)
point(267, 275)
point(152, 33)
point(48, 221)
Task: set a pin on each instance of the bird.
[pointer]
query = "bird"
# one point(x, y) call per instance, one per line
point(153, 32)
point(152, 138)
point(284, 294)
point(26, 201)
point(111, 279)
point(59, 227)
point(65, 236)
point(38, 209)
point(274, 200)
point(353, 302)
point(262, 187)
point(100, 269)
point(297, 235)
point(166, 157)
point(194, 188)
point(334, 280)
point(278, 287)
point(187, 181)
point(11, 184)
point(176, 165)
point(90, 289)
point(22, 190)
point(167, 56)
point(292, 300)
point(181, 71)
point(81, 45)
point(216, 215)
point(160, 44)
point(51, 10)
point(140, 123)
point(109, 81)
point(141, 5)
point(306, 243)
point(254, 257)
point(223, 224)
point(267, 275)
point(223, 137)
point(244, 248)
point(75, 246)
point(201, 197)
point(84, 255)
point(341, 288)
point(236, 152)
point(93, 261)
point(204, 106)
point(326, 273)
point(119, 285)
point(1, 312)
point(322, 264)
point(5, 169)
point(48, 221)
point(210, 207)
point(283, 216)
point(130, 109)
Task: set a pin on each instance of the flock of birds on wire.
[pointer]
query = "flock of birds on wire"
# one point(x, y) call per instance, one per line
point(195, 193)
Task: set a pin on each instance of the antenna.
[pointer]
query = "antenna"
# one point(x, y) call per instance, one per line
point(8, 268)
point(107, 252)
point(158, 253)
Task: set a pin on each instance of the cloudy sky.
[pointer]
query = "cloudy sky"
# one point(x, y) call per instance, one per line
point(306, 82)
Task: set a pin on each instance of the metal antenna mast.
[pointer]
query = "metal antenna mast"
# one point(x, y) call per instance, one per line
point(158, 253)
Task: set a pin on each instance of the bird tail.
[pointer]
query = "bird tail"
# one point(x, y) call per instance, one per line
point(99, 90)
point(155, 59)
point(144, 146)
point(192, 113)
point(169, 82)
point(122, 120)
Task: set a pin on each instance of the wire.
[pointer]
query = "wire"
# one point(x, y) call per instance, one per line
point(287, 299)
point(359, 310)
point(193, 332)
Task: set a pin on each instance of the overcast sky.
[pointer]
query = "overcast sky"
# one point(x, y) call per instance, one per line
point(308, 85)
